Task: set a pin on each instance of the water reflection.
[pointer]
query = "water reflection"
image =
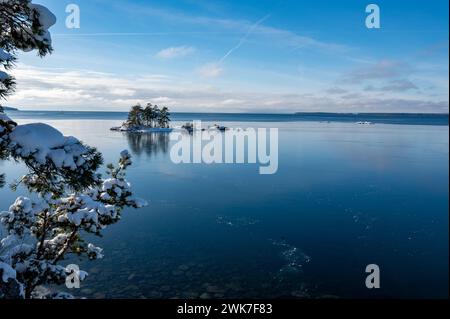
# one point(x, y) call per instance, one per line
point(148, 143)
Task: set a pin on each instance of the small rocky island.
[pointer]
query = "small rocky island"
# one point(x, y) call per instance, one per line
point(152, 119)
point(146, 119)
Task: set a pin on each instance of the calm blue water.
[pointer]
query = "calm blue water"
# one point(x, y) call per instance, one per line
point(345, 196)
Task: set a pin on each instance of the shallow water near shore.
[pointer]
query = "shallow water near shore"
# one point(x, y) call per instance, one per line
point(344, 196)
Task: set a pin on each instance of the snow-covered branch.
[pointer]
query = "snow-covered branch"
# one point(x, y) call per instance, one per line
point(23, 26)
point(40, 233)
point(67, 197)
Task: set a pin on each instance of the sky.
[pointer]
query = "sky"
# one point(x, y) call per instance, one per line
point(277, 56)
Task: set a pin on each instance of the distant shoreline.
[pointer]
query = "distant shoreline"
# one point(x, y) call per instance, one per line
point(441, 119)
point(243, 113)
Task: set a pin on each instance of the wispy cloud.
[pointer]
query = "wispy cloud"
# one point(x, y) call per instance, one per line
point(85, 90)
point(175, 52)
point(336, 90)
point(210, 70)
point(284, 37)
point(384, 69)
point(394, 86)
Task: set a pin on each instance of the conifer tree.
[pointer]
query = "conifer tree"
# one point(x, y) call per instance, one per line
point(148, 115)
point(69, 198)
point(164, 117)
point(135, 116)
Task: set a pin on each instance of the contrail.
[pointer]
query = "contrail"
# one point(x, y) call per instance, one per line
point(244, 38)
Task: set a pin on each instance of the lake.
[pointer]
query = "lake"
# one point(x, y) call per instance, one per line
point(345, 196)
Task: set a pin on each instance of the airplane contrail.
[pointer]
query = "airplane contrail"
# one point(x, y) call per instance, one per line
point(244, 38)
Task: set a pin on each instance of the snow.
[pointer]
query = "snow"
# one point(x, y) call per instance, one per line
point(44, 142)
point(83, 215)
point(37, 136)
point(22, 207)
point(90, 211)
point(140, 203)
point(97, 251)
point(9, 240)
point(5, 56)
point(21, 249)
point(4, 117)
point(105, 196)
point(7, 272)
point(57, 241)
point(82, 275)
point(46, 17)
point(109, 184)
point(62, 296)
point(3, 76)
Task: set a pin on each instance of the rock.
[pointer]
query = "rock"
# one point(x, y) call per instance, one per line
point(99, 295)
point(155, 294)
point(11, 292)
point(205, 296)
point(191, 295)
point(183, 267)
point(299, 294)
point(214, 289)
point(328, 297)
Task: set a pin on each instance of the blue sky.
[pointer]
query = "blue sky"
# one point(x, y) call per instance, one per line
point(242, 56)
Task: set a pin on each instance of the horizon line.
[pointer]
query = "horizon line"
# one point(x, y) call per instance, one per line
point(241, 113)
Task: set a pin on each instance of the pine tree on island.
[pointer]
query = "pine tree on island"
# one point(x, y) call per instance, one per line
point(164, 117)
point(148, 118)
point(135, 116)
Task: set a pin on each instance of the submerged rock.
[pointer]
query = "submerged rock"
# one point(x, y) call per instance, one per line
point(99, 295)
point(214, 289)
point(205, 296)
point(183, 267)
